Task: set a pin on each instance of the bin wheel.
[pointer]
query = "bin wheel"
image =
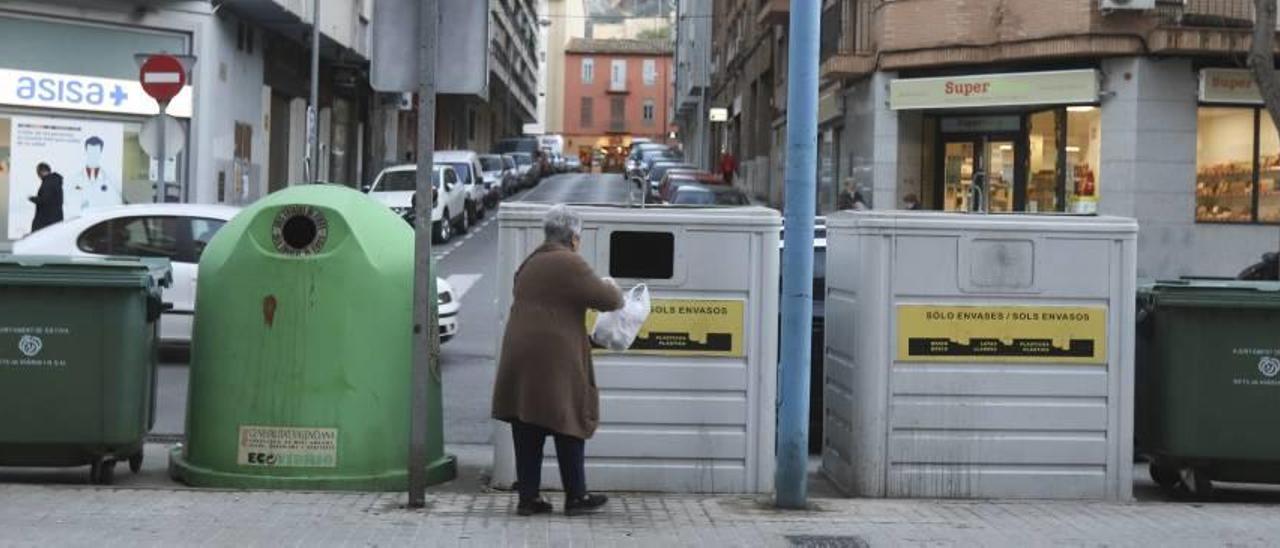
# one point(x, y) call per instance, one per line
point(135, 463)
point(1197, 481)
point(1164, 476)
point(103, 472)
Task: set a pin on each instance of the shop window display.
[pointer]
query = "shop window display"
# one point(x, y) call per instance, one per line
point(1224, 165)
point(1083, 150)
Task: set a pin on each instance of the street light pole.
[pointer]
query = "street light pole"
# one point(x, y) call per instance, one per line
point(313, 109)
point(797, 255)
point(426, 347)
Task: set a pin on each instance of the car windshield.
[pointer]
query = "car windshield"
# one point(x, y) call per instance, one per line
point(702, 196)
point(463, 170)
point(491, 163)
point(509, 162)
point(404, 181)
point(523, 159)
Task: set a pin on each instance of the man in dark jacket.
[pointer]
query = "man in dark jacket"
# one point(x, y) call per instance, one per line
point(546, 384)
point(48, 199)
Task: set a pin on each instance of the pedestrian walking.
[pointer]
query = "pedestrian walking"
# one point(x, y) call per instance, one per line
point(728, 166)
point(48, 198)
point(851, 198)
point(546, 383)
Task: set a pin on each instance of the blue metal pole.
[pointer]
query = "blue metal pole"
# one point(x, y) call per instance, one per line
point(797, 255)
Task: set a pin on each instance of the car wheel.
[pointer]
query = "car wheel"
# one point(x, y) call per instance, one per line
point(464, 220)
point(442, 229)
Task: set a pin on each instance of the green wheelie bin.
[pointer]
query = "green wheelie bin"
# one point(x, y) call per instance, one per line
point(78, 353)
point(1208, 383)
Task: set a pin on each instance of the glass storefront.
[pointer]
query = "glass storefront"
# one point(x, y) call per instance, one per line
point(100, 160)
point(1237, 166)
point(1042, 160)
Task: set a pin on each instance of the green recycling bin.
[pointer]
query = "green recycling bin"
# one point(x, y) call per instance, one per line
point(1208, 382)
point(301, 354)
point(78, 360)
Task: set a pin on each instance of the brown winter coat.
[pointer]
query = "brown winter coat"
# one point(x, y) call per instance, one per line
point(545, 376)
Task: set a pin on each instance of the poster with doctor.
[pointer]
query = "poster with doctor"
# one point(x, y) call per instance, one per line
point(87, 153)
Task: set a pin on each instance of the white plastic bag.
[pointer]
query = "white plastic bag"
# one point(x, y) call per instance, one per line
point(618, 329)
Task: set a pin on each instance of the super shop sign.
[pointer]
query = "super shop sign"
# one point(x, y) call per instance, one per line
point(989, 90)
point(84, 93)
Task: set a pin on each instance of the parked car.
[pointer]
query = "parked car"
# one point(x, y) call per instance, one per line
point(653, 175)
point(178, 232)
point(498, 180)
point(467, 164)
point(527, 144)
point(572, 164)
point(675, 177)
point(635, 159)
point(525, 169)
point(513, 168)
point(395, 188)
point(708, 195)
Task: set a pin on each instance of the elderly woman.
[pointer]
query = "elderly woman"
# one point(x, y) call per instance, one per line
point(546, 385)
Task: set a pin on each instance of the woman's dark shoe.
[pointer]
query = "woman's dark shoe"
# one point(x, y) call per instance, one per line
point(533, 507)
point(585, 504)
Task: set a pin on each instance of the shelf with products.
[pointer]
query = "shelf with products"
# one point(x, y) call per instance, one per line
point(1224, 192)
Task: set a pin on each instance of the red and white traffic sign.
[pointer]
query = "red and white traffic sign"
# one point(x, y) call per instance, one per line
point(162, 77)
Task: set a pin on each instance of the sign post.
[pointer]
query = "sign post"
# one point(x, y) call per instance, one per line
point(162, 77)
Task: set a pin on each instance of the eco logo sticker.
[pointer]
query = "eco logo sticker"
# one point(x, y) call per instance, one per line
point(1269, 366)
point(31, 345)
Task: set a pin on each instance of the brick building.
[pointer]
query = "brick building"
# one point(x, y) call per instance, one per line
point(1136, 108)
point(615, 90)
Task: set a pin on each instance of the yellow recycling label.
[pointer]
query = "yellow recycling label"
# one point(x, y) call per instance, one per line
point(690, 327)
point(1005, 334)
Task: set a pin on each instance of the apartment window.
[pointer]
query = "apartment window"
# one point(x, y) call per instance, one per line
point(587, 116)
point(618, 112)
point(588, 70)
point(650, 72)
point(618, 76)
point(649, 112)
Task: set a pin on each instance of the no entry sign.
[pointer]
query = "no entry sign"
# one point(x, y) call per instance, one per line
point(162, 77)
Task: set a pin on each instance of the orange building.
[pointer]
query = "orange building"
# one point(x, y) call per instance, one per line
point(615, 90)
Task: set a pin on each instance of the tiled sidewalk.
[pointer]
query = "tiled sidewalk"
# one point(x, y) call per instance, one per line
point(42, 515)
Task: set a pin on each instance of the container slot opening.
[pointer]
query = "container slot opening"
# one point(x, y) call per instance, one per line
point(299, 232)
point(642, 255)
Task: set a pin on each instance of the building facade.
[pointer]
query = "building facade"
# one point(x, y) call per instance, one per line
point(70, 97)
point(500, 108)
point(615, 90)
point(1072, 107)
point(693, 35)
point(748, 81)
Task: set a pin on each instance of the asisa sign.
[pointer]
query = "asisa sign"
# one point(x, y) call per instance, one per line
point(85, 93)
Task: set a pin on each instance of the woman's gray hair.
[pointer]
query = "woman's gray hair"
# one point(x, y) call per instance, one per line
point(562, 224)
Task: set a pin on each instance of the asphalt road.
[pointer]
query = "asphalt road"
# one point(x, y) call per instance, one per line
point(468, 361)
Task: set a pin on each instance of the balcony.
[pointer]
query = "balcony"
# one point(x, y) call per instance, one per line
point(618, 87)
point(847, 49)
point(617, 125)
point(1210, 27)
point(775, 12)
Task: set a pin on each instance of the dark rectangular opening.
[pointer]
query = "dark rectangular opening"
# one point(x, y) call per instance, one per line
point(642, 255)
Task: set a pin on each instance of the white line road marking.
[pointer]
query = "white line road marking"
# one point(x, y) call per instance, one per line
point(462, 283)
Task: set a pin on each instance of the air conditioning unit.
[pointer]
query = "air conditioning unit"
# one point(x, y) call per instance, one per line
point(1115, 5)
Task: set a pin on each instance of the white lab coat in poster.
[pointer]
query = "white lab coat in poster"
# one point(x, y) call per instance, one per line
point(87, 153)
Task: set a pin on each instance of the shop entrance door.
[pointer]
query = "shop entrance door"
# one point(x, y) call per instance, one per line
point(980, 167)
